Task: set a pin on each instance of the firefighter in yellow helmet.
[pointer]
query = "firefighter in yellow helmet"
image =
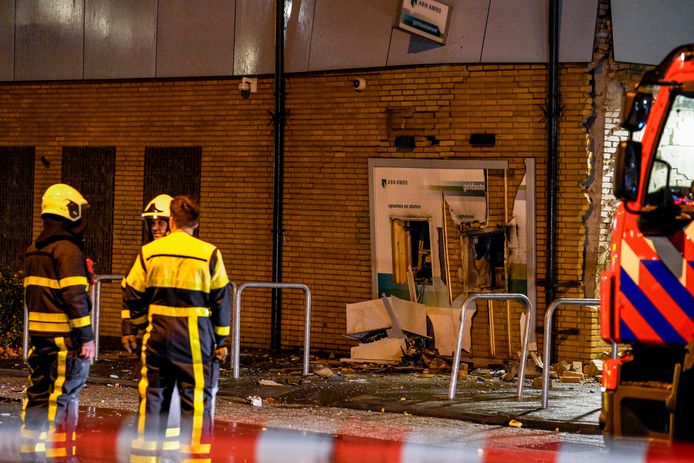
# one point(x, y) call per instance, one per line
point(178, 290)
point(61, 343)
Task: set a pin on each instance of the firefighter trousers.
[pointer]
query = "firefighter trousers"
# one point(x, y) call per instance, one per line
point(51, 400)
point(187, 366)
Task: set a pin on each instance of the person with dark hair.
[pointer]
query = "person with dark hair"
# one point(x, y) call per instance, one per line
point(178, 291)
point(56, 278)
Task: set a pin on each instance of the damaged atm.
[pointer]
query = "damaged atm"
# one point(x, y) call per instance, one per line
point(438, 236)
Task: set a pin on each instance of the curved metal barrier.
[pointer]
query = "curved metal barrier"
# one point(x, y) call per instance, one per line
point(96, 311)
point(594, 303)
point(95, 294)
point(530, 310)
point(25, 333)
point(236, 345)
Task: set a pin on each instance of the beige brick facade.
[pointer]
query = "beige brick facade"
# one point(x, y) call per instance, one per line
point(331, 133)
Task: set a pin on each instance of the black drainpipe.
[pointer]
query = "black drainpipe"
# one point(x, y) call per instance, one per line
point(552, 156)
point(278, 180)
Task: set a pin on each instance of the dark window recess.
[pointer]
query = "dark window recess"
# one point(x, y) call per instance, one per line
point(16, 207)
point(92, 171)
point(405, 143)
point(483, 139)
point(173, 171)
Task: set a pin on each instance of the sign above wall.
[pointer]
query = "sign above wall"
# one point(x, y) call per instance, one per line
point(425, 18)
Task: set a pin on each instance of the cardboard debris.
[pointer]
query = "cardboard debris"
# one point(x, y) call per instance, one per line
point(467, 334)
point(408, 328)
point(411, 316)
point(383, 349)
point(269, 382)
point(395, 331)
point(446, 324)
point(367, 316)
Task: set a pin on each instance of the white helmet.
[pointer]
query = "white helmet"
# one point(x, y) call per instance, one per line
point(158, 208)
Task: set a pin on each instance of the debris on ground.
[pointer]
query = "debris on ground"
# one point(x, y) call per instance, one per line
point(537, 383)
point(594, 368)
point(269, 382)
point(515, 424)
point(462, 372)
point(511, 372)
point(536, 359)
point(255, 400)
point(323, 371)
point(572, 377)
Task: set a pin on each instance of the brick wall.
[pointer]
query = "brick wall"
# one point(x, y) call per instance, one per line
point(331, 133)
point(609, 81)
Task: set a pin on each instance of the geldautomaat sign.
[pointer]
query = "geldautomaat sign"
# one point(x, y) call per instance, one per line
point(426, 18)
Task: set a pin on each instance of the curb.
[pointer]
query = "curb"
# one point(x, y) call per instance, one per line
point(501, 420)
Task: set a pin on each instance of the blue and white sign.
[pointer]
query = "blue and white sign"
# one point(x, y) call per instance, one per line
point(426, 18)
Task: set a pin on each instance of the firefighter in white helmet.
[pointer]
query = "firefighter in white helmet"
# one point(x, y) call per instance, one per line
point(156, 217)
point(56, 281)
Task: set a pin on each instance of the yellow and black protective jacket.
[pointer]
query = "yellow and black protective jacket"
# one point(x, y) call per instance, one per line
point(178, 290)
point(177, 276)
point(56, 283)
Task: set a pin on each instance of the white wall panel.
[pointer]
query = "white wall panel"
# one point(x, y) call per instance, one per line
point(254, 49)
point(354, 34)
point(7, 40)
point(48, 39)
point(298, 40)
point(518, 31)
point(195, 38)
point(463, 44)
point(645, 31)
point(120, 38)
point(110, 39)
point(577, 30)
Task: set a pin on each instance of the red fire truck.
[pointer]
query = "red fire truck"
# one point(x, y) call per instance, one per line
point(647, 293)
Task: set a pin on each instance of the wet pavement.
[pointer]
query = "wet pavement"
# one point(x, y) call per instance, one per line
point(104, 436)
point(272, 381)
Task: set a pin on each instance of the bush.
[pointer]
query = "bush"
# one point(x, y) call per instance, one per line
point(11, 307)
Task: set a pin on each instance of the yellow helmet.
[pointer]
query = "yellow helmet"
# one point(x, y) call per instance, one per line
point(158, 208)
point(63, 200)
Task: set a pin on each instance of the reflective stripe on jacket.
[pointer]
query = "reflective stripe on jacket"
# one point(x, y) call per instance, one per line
point(56, 286)
point(179, 274)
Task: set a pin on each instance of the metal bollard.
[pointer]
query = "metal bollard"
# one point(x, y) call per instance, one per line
point(236, 345)
point(524, 351)
point(595, 303)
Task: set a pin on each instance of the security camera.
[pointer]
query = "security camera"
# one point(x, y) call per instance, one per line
point(248, 85)
point(244, 87)
point(359, 84)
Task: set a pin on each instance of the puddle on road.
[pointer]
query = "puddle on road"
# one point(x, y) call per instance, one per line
point(104, 437)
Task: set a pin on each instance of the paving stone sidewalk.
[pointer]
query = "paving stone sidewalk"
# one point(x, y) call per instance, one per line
point(482, 397)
